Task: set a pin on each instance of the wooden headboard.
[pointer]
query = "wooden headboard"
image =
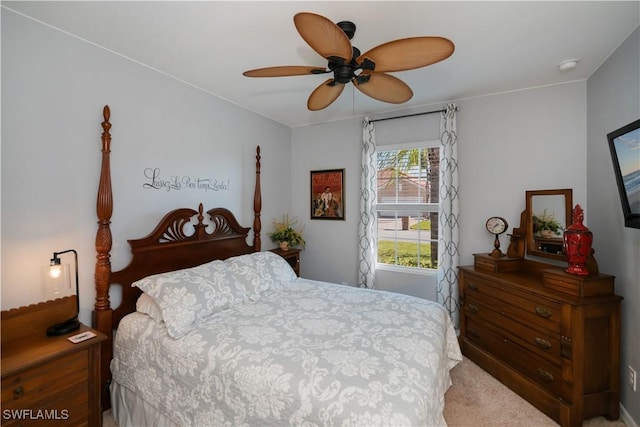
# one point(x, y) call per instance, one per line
point(180, 240)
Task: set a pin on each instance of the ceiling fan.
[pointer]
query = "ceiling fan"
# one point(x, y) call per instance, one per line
point(366, 71)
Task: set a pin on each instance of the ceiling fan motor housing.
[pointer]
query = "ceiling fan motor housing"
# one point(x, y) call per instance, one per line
point(343, 73)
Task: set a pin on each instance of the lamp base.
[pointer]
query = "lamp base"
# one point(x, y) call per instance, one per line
point(64, 327)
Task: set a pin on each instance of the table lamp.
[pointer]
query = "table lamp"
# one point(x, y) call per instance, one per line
point(56, 277)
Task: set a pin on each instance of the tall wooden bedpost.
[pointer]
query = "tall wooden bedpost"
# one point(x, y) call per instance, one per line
point(102, 312)
point(257, 206)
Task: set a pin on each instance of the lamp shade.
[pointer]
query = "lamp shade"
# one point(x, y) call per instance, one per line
point(56, 280)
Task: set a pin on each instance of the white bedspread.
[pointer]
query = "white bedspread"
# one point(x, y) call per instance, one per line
point(307, 353)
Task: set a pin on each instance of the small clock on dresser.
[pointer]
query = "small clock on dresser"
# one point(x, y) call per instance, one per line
point(496, 225)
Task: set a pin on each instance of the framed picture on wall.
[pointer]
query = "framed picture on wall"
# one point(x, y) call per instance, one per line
point(327, 194)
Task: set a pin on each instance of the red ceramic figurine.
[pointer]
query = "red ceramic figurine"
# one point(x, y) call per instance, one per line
point(577, 244)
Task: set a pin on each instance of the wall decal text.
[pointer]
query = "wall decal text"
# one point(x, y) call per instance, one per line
point(184, 182)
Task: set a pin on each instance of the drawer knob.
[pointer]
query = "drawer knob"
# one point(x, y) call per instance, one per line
point(543, 312)
point(473, 308)
point(542, 343)
point(545, 375)
point(475, 333)
point(18, 392)
point(473, 286)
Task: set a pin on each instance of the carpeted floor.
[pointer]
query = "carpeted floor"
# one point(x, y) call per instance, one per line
point(476, 399)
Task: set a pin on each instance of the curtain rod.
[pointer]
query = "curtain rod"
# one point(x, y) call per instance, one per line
point(410, 115)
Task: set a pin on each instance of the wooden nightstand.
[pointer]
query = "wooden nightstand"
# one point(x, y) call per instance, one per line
point(292, 256)
point(48, 380)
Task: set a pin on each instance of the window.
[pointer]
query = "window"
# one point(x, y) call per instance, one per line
point(407, 194)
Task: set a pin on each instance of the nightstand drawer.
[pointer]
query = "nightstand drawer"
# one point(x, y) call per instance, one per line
point(35, 387)
point(70, 409)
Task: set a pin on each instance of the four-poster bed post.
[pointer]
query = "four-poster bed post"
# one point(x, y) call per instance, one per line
point(102, 313)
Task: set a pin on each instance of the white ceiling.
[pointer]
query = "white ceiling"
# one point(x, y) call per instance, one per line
point(500, 46)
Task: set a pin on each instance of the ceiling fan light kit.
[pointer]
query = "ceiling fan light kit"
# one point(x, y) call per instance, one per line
point(366, 71)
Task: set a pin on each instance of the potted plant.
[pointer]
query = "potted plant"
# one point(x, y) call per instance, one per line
point(286, 233)
point(546, 225)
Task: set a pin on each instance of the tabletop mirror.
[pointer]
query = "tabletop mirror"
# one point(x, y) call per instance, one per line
point(548, 213)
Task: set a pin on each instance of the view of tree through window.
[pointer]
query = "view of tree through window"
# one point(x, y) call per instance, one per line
point(407, 185)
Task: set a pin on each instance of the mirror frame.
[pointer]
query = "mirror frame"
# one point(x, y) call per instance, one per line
point(532, 242)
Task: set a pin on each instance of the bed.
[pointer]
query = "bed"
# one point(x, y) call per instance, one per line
point(212, 330)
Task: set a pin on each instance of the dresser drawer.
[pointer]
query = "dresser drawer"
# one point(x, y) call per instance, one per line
point(539, 340)
point(517, 305)
point(41, 384)
point(539, 370)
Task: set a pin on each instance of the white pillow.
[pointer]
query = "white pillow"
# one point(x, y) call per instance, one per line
point(148, 306)
point(260, 271)
point(185, 297)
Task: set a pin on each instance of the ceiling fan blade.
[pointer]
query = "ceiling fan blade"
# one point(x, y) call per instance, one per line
point(287, 70)
point(324, 95)
point(323, 36)
point(407, 54)
point(383, 87)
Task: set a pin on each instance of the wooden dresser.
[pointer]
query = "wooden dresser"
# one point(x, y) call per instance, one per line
point(552, 337)
point(48, 381)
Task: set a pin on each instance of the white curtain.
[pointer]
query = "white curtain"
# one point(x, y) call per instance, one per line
point(367, 226)
point(449, 228)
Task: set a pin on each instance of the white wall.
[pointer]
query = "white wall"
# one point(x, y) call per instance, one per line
point(53, 89)
point(508, 143)
point(513, 142)
point(613, 95)
point(331, 251)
